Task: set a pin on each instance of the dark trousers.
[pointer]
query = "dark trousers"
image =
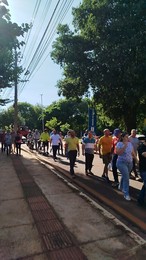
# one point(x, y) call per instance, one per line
point(134, 168)
point(18, 148)
point(88, 161)
point(45, 146)
point(55, 148)
point(72, 158)
point(8, 148)
point(114, 167)
point(141, 197)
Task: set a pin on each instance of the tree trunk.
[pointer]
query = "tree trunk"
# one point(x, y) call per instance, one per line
point(130, 120)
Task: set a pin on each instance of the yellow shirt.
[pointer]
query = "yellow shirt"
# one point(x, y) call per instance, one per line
point(44, 137)
point(72, 143)
point(106, 144)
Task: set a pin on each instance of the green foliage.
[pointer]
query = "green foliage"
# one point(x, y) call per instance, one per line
point(64, 128)
point(107, 53)
point(9, 34)
point(52, 124)
point(69, 111)
point(28, 115)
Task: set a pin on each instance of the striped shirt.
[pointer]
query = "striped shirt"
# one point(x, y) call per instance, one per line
point(89, 145)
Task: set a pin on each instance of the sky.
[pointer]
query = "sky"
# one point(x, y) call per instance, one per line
point(40, 85)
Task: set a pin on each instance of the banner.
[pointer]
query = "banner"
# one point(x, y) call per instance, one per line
point(92, 119)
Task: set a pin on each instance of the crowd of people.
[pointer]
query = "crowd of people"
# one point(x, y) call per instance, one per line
point(10, 142)
point(124, 152)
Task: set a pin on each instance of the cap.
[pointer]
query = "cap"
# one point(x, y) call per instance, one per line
point(117, 131)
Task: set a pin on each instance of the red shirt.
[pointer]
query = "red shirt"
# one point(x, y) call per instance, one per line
point(115, 139)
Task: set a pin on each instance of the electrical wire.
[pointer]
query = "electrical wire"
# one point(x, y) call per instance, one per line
point(33, 62)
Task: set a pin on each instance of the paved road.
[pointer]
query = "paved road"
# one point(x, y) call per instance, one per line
point(98, 234)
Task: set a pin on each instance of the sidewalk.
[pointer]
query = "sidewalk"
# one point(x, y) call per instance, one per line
point(99, 235)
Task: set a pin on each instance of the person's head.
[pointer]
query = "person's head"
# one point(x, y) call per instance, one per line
point(72, 133)
point(54, 131)
point(133, 132)
point(90, 134)
point(45, 130)
point(68, 133)
point(117, 132)
point(124, 137)
point(106, 132)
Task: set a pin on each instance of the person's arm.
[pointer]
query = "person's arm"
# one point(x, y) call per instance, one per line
point(144, 154)
point(99, 150)
point(134, 156)
point(78, 149)
point(120, 150)
point(83, 149)
point(60, 139)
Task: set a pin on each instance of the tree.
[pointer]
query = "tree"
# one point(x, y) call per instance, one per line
point(9, 33)
point(28, 115)
point(53, 123)
point(112, 61)
point(69, 111)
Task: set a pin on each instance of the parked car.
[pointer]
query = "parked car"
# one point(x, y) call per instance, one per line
point(24, 139)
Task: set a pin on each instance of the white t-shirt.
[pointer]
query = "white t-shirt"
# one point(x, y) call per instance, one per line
point(55, 139)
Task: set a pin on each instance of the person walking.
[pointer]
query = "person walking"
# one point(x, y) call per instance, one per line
point(36, 137)
point(88, 147)
point(45, 138)
point(2, 140)
point(54, 141)
point(135, 142)
point(105, 151)
point(72, 146)
point(18, 141)
point(115, 139)
point(13, 134)
point(60, 148)
point(8, 142)
point(142, 169)
point(125, 152)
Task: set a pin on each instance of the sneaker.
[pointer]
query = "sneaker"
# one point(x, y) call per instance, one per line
point(127, 197)
point(91, 173)
point(137, 178)
point(73, 176)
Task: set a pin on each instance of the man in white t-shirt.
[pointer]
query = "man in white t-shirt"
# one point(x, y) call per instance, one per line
point(54, 141)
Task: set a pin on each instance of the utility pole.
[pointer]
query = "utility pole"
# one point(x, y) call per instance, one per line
point(42, 112)
point(16, 95)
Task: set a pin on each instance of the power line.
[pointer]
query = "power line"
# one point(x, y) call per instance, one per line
point(36, 59)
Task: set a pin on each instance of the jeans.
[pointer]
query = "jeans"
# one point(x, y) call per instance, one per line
point(125, 169)
point(142, 193)
point(72, 154)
